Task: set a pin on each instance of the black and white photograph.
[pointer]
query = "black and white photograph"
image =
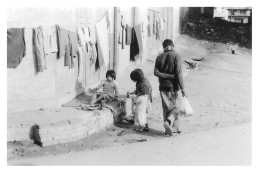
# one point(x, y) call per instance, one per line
point(129, 85)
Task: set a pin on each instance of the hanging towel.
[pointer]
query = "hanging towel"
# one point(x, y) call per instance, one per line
point(102, 40)
point(39, 49)
point(15, 47)
point(128, 34)
point(49, 40)
point(63, 40)
point(139, 36)
point(134, 47)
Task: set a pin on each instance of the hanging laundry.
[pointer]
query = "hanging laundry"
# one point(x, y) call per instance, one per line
point(63, 40)
point(49, 40)
point(87, 37)
point(157, 31)
point(128, 34)
point(73, 40)
point(92, 33)
point(71, 49)
point(39, 49)
point(68, 61)
point(86, 34)
point(102, 40)
point(139, 36)
point(154, 24)
point(123, 25)
point(134, 47)
point(81, 37)
point(93, 53)
point(15, 47)
point(149, 30)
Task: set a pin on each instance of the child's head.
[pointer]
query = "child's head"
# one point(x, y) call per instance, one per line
point(111, 75)
point(137, 75)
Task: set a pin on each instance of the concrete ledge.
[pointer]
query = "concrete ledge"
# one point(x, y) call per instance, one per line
point(67, 125)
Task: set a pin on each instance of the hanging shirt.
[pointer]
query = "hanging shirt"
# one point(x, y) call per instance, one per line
point(71, 49)
point(39, 49)
point(49, 40)
point(128, 34)
point(63, 40)
point(15, 47)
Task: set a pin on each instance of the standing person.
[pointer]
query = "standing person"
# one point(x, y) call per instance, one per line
point(143, 90)
point(168, 69)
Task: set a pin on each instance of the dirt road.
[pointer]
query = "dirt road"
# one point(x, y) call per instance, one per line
point(219, 92)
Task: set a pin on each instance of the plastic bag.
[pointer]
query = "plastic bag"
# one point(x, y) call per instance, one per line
point(185, 107)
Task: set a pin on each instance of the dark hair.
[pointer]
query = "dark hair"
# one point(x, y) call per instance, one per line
point(140, 70)
point(137, 75)
point(111, 73)
point(167, 42)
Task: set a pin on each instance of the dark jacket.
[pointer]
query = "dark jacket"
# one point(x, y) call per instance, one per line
point(168, 70)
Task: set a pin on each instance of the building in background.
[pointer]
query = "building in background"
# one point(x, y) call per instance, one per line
point(221, 12)
point(239, 14)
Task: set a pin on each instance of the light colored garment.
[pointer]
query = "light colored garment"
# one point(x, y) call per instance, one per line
point(86, 34)
point(39, 49)
point(169, 100)
point(140, 110)
point(49, 39)
point(81, 37)
point(63, 40)
point(102, 39)
point(92, 31)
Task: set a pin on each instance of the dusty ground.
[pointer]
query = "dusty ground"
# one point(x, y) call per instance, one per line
point(219, 92)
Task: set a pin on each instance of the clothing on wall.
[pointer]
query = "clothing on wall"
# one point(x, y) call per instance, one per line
point(149, 30)
point(123, 25)
point(15, 47)
point(92, 34)
point(71, 49)
point(39, 49)
point(157, 31)
point(50, 39)
point(81, 37)
point(102, 40)
point(63, 40)
point(128, 34)
point(139, 36)
point(134, 47)
point(93, 53)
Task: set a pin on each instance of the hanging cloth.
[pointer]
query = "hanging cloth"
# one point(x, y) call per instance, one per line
point(134, 47)
point(123, 25)
point(63, 40)
point(49, 39)
point(39, 49)
point(139, 36)
point(15, 47)
point(128, 34)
